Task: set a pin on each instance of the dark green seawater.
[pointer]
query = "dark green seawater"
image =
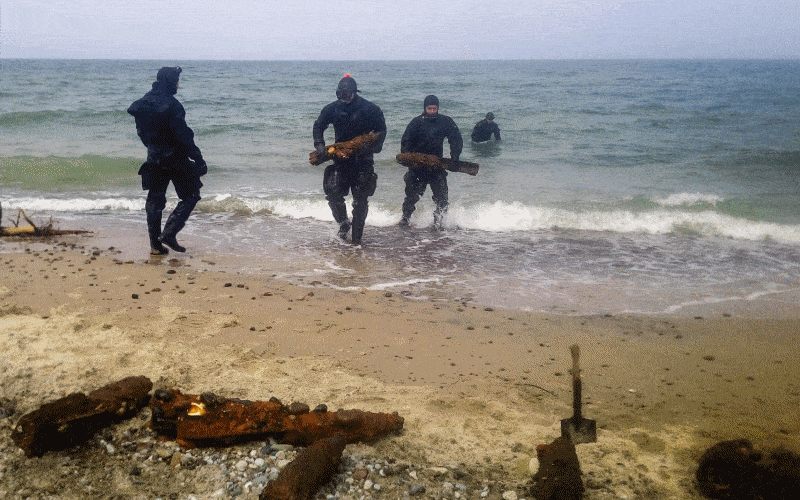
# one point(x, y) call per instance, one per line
point(618, 186)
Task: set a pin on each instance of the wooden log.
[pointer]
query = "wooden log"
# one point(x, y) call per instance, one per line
point(311, 469)
point(38, 231)
point(75, 418)
point(422, 160)
point(208, 420)
point(358, 146)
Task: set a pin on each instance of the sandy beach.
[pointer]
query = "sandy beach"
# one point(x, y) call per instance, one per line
point(479, 387)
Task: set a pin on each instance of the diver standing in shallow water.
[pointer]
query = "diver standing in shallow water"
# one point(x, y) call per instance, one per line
point(485, 128)
point(351, 116)
point(426, 134)
point(171, 156)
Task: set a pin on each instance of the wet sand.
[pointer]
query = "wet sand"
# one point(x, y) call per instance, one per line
point(476, 385)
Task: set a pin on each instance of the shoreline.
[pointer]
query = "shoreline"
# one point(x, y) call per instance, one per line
point(479, 386)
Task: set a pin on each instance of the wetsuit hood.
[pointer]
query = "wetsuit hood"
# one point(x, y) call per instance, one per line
point(167, 80)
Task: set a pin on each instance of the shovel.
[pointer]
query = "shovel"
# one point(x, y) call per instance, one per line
point(578, 429)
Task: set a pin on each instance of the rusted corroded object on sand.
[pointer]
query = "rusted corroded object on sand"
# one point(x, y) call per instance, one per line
point(736, 470)
point(559, 474)
point(73, 419)
point(358, 146)
point(312, 469)
point(422, 160)
point(207, 420)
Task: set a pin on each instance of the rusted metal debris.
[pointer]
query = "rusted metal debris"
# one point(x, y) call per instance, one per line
point(73, 419)
point(422, 160)
point(559, 474)
point(207, 420)
point(735, 470)
point(312, 469)
point(358, 146)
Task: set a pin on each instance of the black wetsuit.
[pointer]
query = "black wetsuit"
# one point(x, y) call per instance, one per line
point(483, 131)
point(426, 134)
point(171, 156)
point(355, 174)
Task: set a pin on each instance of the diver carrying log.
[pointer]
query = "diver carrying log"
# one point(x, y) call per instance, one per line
point(355, 147)
point(422, 160)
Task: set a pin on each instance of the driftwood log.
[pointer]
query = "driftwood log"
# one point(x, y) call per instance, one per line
point(422, 160)
point(559, 474)
point(32, 229)
point(73, 419)
point(312, 469)
point(209, 420)
point(358, 146)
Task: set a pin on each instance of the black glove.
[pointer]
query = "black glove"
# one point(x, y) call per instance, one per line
point(200, 169)
point(454, 158)
point(320, 147)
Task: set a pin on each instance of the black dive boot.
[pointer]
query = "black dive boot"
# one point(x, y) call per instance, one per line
point(339, 211)
point(154, 231)
point(175, 222)
point(358, 230)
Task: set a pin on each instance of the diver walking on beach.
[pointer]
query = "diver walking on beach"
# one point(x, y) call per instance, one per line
point(426, 134)
point(351, 116)
point(171, 156)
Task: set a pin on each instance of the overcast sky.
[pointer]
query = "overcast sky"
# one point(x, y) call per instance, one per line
point(399, 29)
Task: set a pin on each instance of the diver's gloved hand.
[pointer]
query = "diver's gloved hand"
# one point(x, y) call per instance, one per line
point(454, 158)
point(320, 147)
point(200, 168)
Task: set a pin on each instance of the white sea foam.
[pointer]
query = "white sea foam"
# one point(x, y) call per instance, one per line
point(35, 204)
point(689, 199)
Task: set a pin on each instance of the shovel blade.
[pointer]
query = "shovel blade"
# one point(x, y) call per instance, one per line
point(579, 431)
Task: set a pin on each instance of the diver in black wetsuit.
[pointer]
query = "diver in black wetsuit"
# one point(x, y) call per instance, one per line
point(172, 156)
point(426, 134)
point(351, 116)
point(485, 128)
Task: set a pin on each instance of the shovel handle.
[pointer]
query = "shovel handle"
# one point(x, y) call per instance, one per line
point(576, 383)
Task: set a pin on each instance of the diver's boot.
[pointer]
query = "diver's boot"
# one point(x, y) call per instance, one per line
point(344, 227)
point(438, 219)
point(171, 228)
point(175, 222)
point(358, 230)
point(172, 242)
point(154, 231)
point(405, 220)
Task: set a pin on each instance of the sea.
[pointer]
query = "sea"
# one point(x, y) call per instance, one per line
point(619, 186)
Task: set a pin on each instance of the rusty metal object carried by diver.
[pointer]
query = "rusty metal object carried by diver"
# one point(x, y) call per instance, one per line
point(311, 469)
point(422, 160)
point(73, 419)
point(345, 150)
point(208, 419)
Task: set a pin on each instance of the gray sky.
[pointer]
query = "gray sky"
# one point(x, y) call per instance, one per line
point(399, 29)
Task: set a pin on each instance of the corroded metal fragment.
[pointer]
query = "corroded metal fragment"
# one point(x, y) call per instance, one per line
point(308, 472)
point(422, 160)
point(73, 419)
point(559, 474)
point(358, 146)
point(210, 420)
point(736, 470)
